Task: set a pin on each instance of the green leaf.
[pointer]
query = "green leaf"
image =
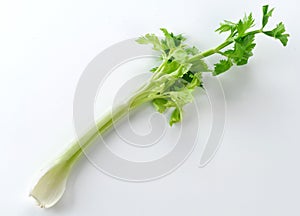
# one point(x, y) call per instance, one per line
point(176, 69)
point(175, 116)
point(266, 15)
point(199, 65)
point(171, 66)
point(226, 26)
point(178, 39)
point(160, 104)
point(179, 54)
point(280, 28)
point(222, 66)
point(181, 97)
point(196, 80)
point(245, 24)
point(169, 40)
point(188, 77)
point(284, 39)
point(192, 50)
point(278, 33)
point(164, 45)
point(242, 49)
point(151, 39)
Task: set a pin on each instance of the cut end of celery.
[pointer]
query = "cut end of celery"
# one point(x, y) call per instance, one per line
point(37, 201)
point(51, 185)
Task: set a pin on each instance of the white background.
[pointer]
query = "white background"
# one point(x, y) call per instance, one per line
point(45, 46)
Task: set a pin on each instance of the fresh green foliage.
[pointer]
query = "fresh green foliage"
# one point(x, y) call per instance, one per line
point(266, 15)
point(176, 78)
point(175, 116)
point(222, 66)
point(242, 50)
point(160, 104)
point(242, 37)
point(245, 24)
point(279, 33)
point(227, 26)
point(151, 39)
point(182, 65)
point(171, 87)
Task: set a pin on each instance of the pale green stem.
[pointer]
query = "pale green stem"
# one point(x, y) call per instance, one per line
point(51, 185)
point(75, 151)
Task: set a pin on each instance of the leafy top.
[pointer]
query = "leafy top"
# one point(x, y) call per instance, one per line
point(243, 39)
point(182, 66)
